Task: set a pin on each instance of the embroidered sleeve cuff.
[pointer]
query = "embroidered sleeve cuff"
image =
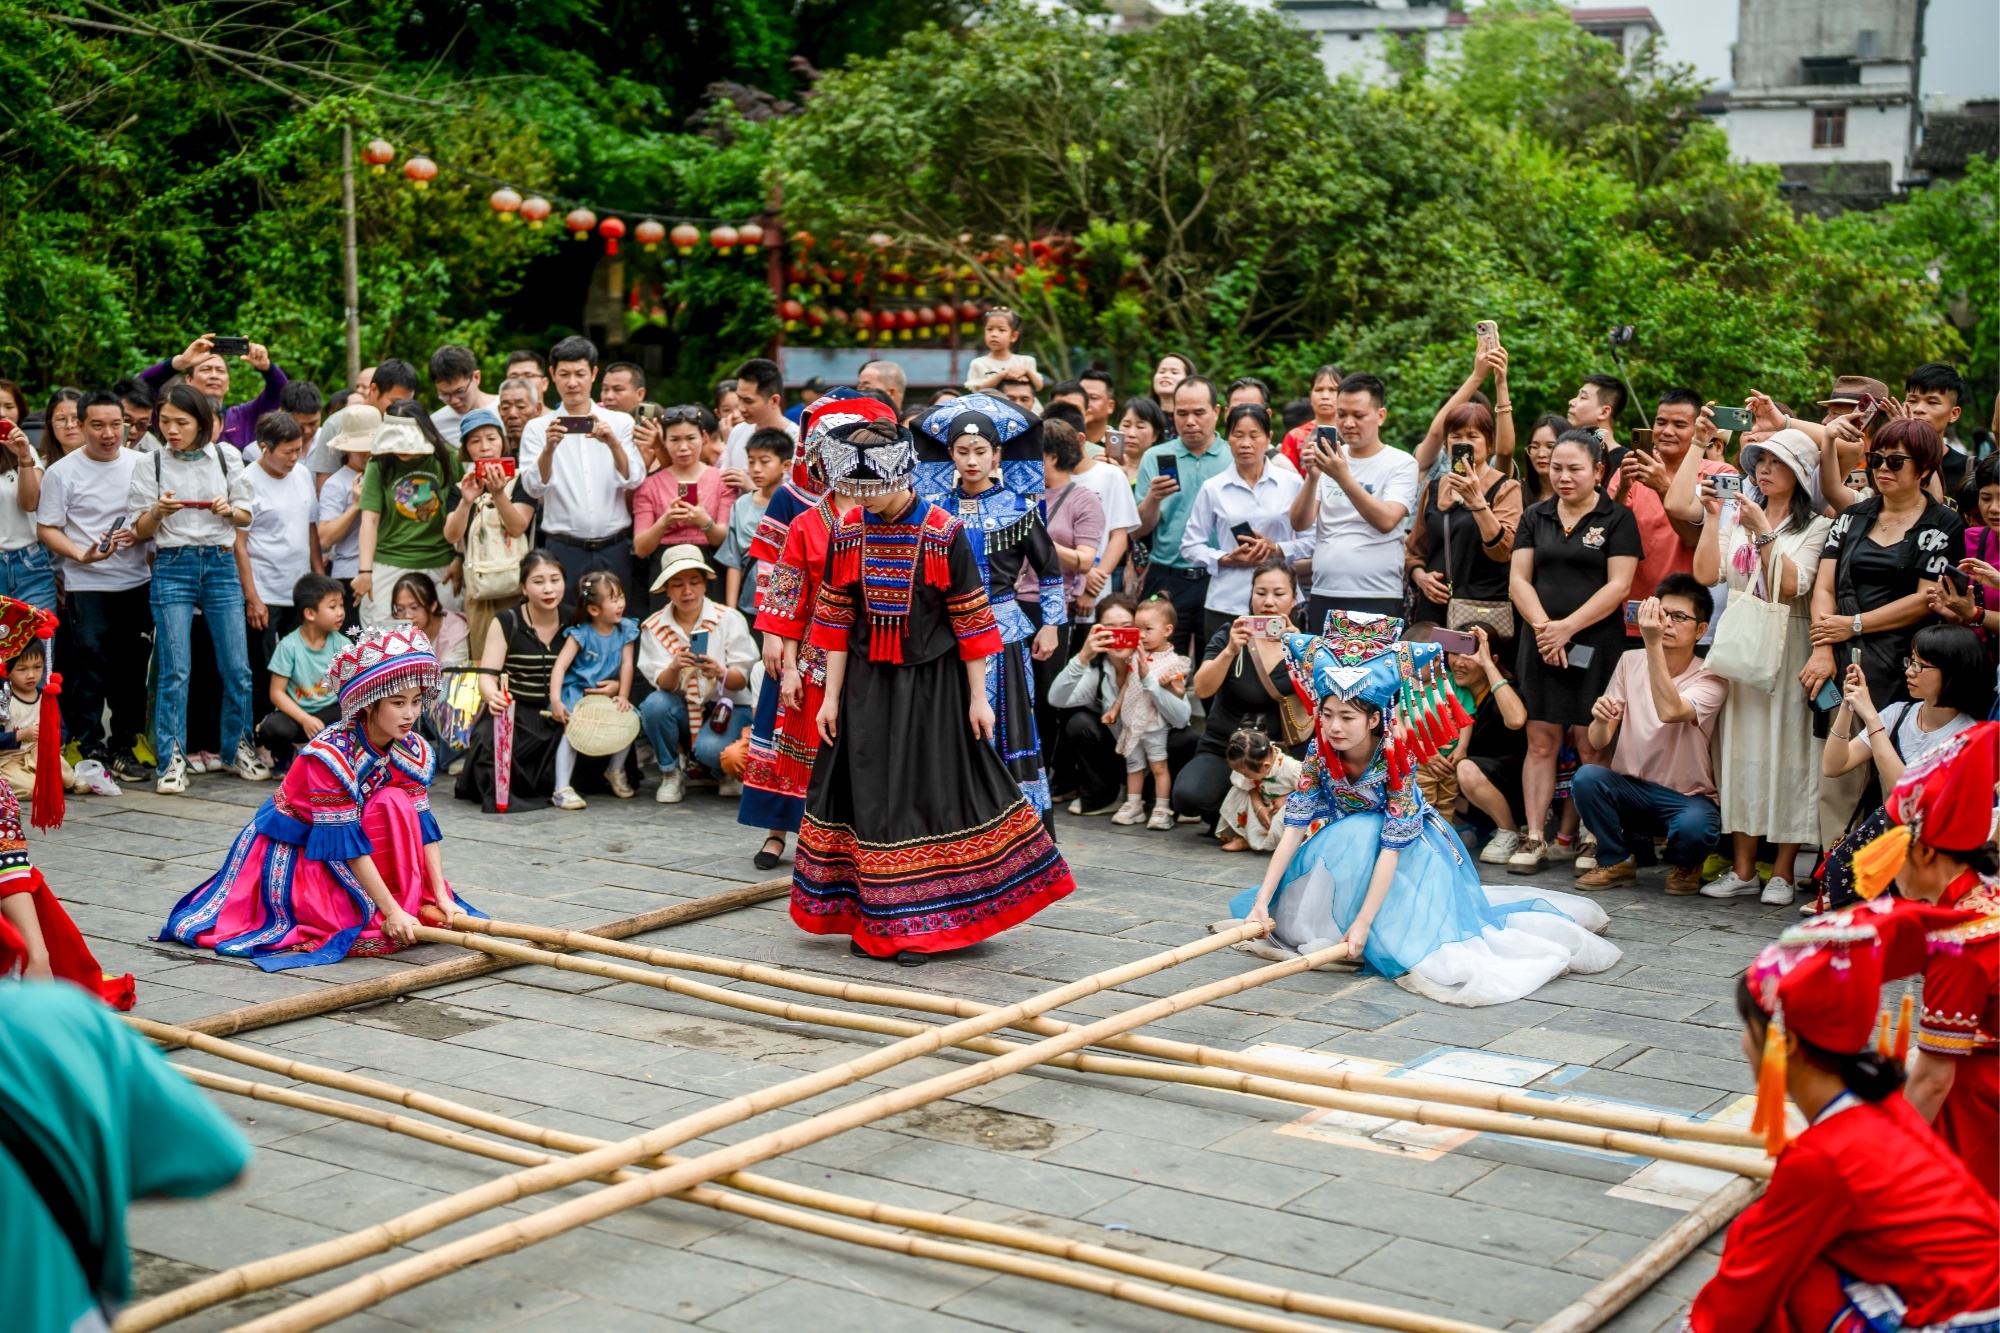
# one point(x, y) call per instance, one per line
point(1054, 604)
point(972, 621)
point(1399, 832)
point(975, 646)
point(337, 842)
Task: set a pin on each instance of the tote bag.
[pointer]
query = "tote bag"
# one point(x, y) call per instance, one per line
point(1749, 646)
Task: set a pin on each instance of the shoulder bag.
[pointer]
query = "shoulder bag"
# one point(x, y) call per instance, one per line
point(1462, 613)
point(1294, 718)
point(492, 555)
point(1749, 646)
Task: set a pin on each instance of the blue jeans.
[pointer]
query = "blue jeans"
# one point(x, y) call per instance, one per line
point(27, 576)
point(1617, 809)
point(664, 719)
point(185, 577)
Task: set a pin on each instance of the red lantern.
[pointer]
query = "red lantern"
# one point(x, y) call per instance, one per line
point(864, 320)
point(534, 209)
point(750, 234)
point(906, 320)
point(649, 234)
point(803, 239)
point(420, 170)
point(924, 319)
point(506, 203)
point(611, 229)
point(580, 221)
point(815, 317)
point(685, 238)
point(837, 315)
point(791, 312)
point(378, 153)
point(723, 238)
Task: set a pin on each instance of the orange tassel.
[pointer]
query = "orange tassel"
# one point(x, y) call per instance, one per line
point(1882, 1033)
point(1769, 1119)
point(1876, 865)
point(46, 803)
point(1902, 1050)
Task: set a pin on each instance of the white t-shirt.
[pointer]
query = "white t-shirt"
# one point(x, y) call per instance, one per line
point(736, 451)
point(279, 538)
point(344, 560)
point(1107, 482)
point(446, 418)
point(86, 499)
point(1350, 558)
point(17, 525)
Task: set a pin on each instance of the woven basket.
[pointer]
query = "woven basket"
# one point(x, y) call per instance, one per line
point(597, 725)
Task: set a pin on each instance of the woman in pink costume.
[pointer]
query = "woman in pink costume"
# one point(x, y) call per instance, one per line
point(345, 854)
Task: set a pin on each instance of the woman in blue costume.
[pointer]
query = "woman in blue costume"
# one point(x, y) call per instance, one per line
point(1365, 858)
point(981, 462)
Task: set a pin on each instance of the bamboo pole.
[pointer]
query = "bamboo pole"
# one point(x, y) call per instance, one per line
point(326, 999)
point(379, 1285)
point(555, 1175)
point(1426, 1090)
point(1592, 1309)
point(875, 1238)
point(220, 1287)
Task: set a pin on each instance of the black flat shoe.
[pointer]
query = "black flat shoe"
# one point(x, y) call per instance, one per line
point(766, 859)
point(910, 958)
point(854, 947)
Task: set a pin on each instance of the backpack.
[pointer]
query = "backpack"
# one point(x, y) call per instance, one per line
point(492, 556)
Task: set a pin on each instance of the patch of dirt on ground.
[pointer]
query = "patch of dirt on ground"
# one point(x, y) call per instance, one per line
point(977, 1127)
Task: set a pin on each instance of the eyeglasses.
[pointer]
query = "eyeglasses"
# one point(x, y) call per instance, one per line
point(1911, 666)
point(1677, 617)
point(1880, 462)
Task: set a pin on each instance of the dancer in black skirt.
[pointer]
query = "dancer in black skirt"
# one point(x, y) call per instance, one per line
point(915, 839)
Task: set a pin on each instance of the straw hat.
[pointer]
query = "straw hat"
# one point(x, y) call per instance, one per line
point(400, 435)
point(597, 725)
point(678, 560)
point(358, 424)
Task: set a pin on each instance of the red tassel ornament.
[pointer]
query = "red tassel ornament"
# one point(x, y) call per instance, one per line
point(45, 809)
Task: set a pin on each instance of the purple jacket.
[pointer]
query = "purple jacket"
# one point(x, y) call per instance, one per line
point(239, 423)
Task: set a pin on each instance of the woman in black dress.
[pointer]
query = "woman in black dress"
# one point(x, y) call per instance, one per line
point(1235, 694)
point(915, 839)
point(1882, 558)
point(521, 647)
point(1574, 557)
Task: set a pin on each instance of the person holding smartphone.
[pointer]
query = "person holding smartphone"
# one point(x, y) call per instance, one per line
point(1241, 520)
point(1356, 504)
point(1170, 476)
point(580, 463)
point(1462, 540)
point(205, 365)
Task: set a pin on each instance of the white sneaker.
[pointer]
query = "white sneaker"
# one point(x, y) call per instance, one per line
point(247, 765)
point(1076, 805)
point(1586, 851)
point(1731, 885)
point(621, 786)
point(1501, 846)
point(1778, 893)
point(173, 776)
point(1132, 812)
point(1163, 816)
point(91, 777)
point(673, 788)
point(730, 788)
point(1529, 857)
point(567, 799)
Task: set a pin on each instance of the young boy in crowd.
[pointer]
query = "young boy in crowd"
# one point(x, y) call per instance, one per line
point(304, 702)
point(1931, 393)
point(767, 455)
point(24, 718)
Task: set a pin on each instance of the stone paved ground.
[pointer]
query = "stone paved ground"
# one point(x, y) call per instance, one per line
point(1494, 1230)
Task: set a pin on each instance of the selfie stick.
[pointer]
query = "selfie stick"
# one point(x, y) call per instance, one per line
point(1631, 394)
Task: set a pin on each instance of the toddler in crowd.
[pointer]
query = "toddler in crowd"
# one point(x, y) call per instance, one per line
point(767, 455)
point(1156, 668)
point(303, 701)
point(1003, 335)
point(596, 658)
point(1261, 778)
point(24, 727)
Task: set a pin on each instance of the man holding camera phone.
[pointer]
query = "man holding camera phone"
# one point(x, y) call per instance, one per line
point(1170, 476)
point(1669, 523)
point(580, 464)
point(204, 365)
point(1356, 503)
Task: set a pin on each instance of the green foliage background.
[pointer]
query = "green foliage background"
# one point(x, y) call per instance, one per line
point(1230, 199)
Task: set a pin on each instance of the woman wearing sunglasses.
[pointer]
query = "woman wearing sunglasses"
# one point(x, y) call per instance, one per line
point(1882, 557)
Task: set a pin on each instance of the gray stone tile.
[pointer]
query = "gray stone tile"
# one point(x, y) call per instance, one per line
point(1458, 1222)
point(1040, 1307)
point(997, 1177)
point(1129, 1158)
point(1553, 1194)
point(680, 1284)
point(1493, 1286)
point(798, 1304)
point(878, 1274)
point(1241, 1229)
point(1125, 1111)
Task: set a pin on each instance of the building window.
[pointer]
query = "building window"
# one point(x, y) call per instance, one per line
point(1829, 69)
point(1829, 127)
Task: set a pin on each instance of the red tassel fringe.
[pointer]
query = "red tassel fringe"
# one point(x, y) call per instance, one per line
point(46, 806)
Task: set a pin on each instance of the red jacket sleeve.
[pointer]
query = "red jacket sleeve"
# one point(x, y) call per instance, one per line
point(1778, 1237)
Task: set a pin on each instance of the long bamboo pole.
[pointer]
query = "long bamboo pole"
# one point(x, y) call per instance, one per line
point(1596, 1306)
point(1630, 1120)
point(873, 1237)
point(508, 1189)
point(327, 999)
point(225, 1286)
point(383, 1283)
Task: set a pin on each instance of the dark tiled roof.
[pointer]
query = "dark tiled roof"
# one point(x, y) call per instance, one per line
point(1950, 140)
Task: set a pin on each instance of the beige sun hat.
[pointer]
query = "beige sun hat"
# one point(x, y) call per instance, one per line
point(358, 424)
point(678, 560)
point(401, 436)
point(597, 725)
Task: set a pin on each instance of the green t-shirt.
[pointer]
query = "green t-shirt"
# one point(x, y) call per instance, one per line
point(305, 670)
point(413, 496)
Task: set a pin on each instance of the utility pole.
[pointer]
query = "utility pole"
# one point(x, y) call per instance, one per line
point(350, 268)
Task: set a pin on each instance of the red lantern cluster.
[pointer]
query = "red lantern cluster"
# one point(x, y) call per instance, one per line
point(421, 171)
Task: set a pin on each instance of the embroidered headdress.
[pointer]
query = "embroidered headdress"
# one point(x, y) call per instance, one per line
point(21, 625)
point(1823, 980)
point(863, 449)
point(1944, 799)
point(1016, 437)
point(835, 407)
point(1363, 657)
point(379, 664)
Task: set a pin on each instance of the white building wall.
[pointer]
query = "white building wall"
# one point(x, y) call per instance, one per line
point(1784, 134)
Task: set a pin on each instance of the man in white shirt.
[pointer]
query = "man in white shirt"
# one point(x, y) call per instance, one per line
point(83, 519)
point(455, 376)
point(1357, 508)
point(760, 397)
point(584, 481)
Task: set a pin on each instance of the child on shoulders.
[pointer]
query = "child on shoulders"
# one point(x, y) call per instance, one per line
point(1003, 335)
point(596, 658)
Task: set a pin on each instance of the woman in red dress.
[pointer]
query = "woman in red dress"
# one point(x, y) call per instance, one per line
point(1870, 1221)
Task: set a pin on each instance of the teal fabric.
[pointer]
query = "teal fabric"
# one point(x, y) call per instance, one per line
point(1174, 510)
point(117, 1123)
